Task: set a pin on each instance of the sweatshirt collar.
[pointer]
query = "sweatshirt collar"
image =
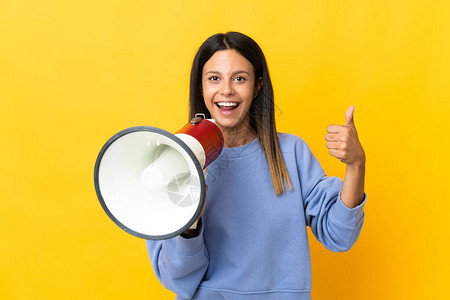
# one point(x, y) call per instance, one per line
point(241, 150)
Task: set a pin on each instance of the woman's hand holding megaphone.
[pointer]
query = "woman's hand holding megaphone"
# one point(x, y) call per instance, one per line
point(193, 232)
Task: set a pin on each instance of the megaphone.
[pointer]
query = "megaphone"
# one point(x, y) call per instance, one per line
point(151, 182)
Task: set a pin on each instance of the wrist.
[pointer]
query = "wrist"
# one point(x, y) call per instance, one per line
point(359, 164)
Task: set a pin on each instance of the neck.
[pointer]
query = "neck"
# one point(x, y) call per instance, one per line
point(235, 137)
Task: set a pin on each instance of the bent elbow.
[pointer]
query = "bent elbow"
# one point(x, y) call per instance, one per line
point(343, 240)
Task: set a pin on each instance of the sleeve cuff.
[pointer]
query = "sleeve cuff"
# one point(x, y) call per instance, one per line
point(191, 246)
point(347, 217)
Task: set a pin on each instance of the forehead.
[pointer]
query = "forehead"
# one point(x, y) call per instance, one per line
point(228, 60)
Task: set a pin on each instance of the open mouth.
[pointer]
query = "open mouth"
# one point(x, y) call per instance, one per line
point(227, 106)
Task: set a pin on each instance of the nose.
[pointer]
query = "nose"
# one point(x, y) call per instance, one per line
point(227, 88)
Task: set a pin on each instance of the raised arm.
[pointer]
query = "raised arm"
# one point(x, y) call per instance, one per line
point(343, 143)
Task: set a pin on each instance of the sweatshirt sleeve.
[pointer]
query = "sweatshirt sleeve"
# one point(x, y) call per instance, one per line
point(179, 263)
point(336, 226)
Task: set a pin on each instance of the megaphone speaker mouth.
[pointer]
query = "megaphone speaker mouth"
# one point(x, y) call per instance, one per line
point(184, 190)
point(150, 182)
point(168, 165)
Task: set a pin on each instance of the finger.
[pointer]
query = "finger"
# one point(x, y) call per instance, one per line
point(333, 145)
point(335, 128)
point(329, 137)
point(336, 153)
point(349, 116)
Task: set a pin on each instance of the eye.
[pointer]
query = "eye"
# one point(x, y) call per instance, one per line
point(213, 78)
point(240, 78)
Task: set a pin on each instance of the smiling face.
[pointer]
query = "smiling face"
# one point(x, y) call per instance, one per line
point(228, 83)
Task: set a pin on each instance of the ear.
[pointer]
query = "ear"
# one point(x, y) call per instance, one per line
point(258, 86)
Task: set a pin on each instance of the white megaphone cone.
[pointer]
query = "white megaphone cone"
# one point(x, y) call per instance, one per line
point(170, 164)
point(151, 182)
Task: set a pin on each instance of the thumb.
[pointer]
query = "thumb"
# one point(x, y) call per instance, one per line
point(349, 116)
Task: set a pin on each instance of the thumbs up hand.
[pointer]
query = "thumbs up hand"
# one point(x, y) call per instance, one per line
point(343, 142)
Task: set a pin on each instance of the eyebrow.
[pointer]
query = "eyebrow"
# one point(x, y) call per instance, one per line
point(234, 73)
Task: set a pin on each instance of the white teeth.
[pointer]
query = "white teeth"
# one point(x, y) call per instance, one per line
point(227, 103)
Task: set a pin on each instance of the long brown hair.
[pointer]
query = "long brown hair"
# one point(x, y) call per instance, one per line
point(262, 110)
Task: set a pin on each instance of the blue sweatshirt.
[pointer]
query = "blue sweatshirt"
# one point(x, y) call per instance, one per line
point(253, 245)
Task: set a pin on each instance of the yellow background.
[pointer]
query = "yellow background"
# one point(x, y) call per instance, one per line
point(73, 73)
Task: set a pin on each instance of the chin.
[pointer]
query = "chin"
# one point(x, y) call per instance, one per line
point(225, 125)
point(231, 125)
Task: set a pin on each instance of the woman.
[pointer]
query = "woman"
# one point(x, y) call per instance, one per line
point(264, 189)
